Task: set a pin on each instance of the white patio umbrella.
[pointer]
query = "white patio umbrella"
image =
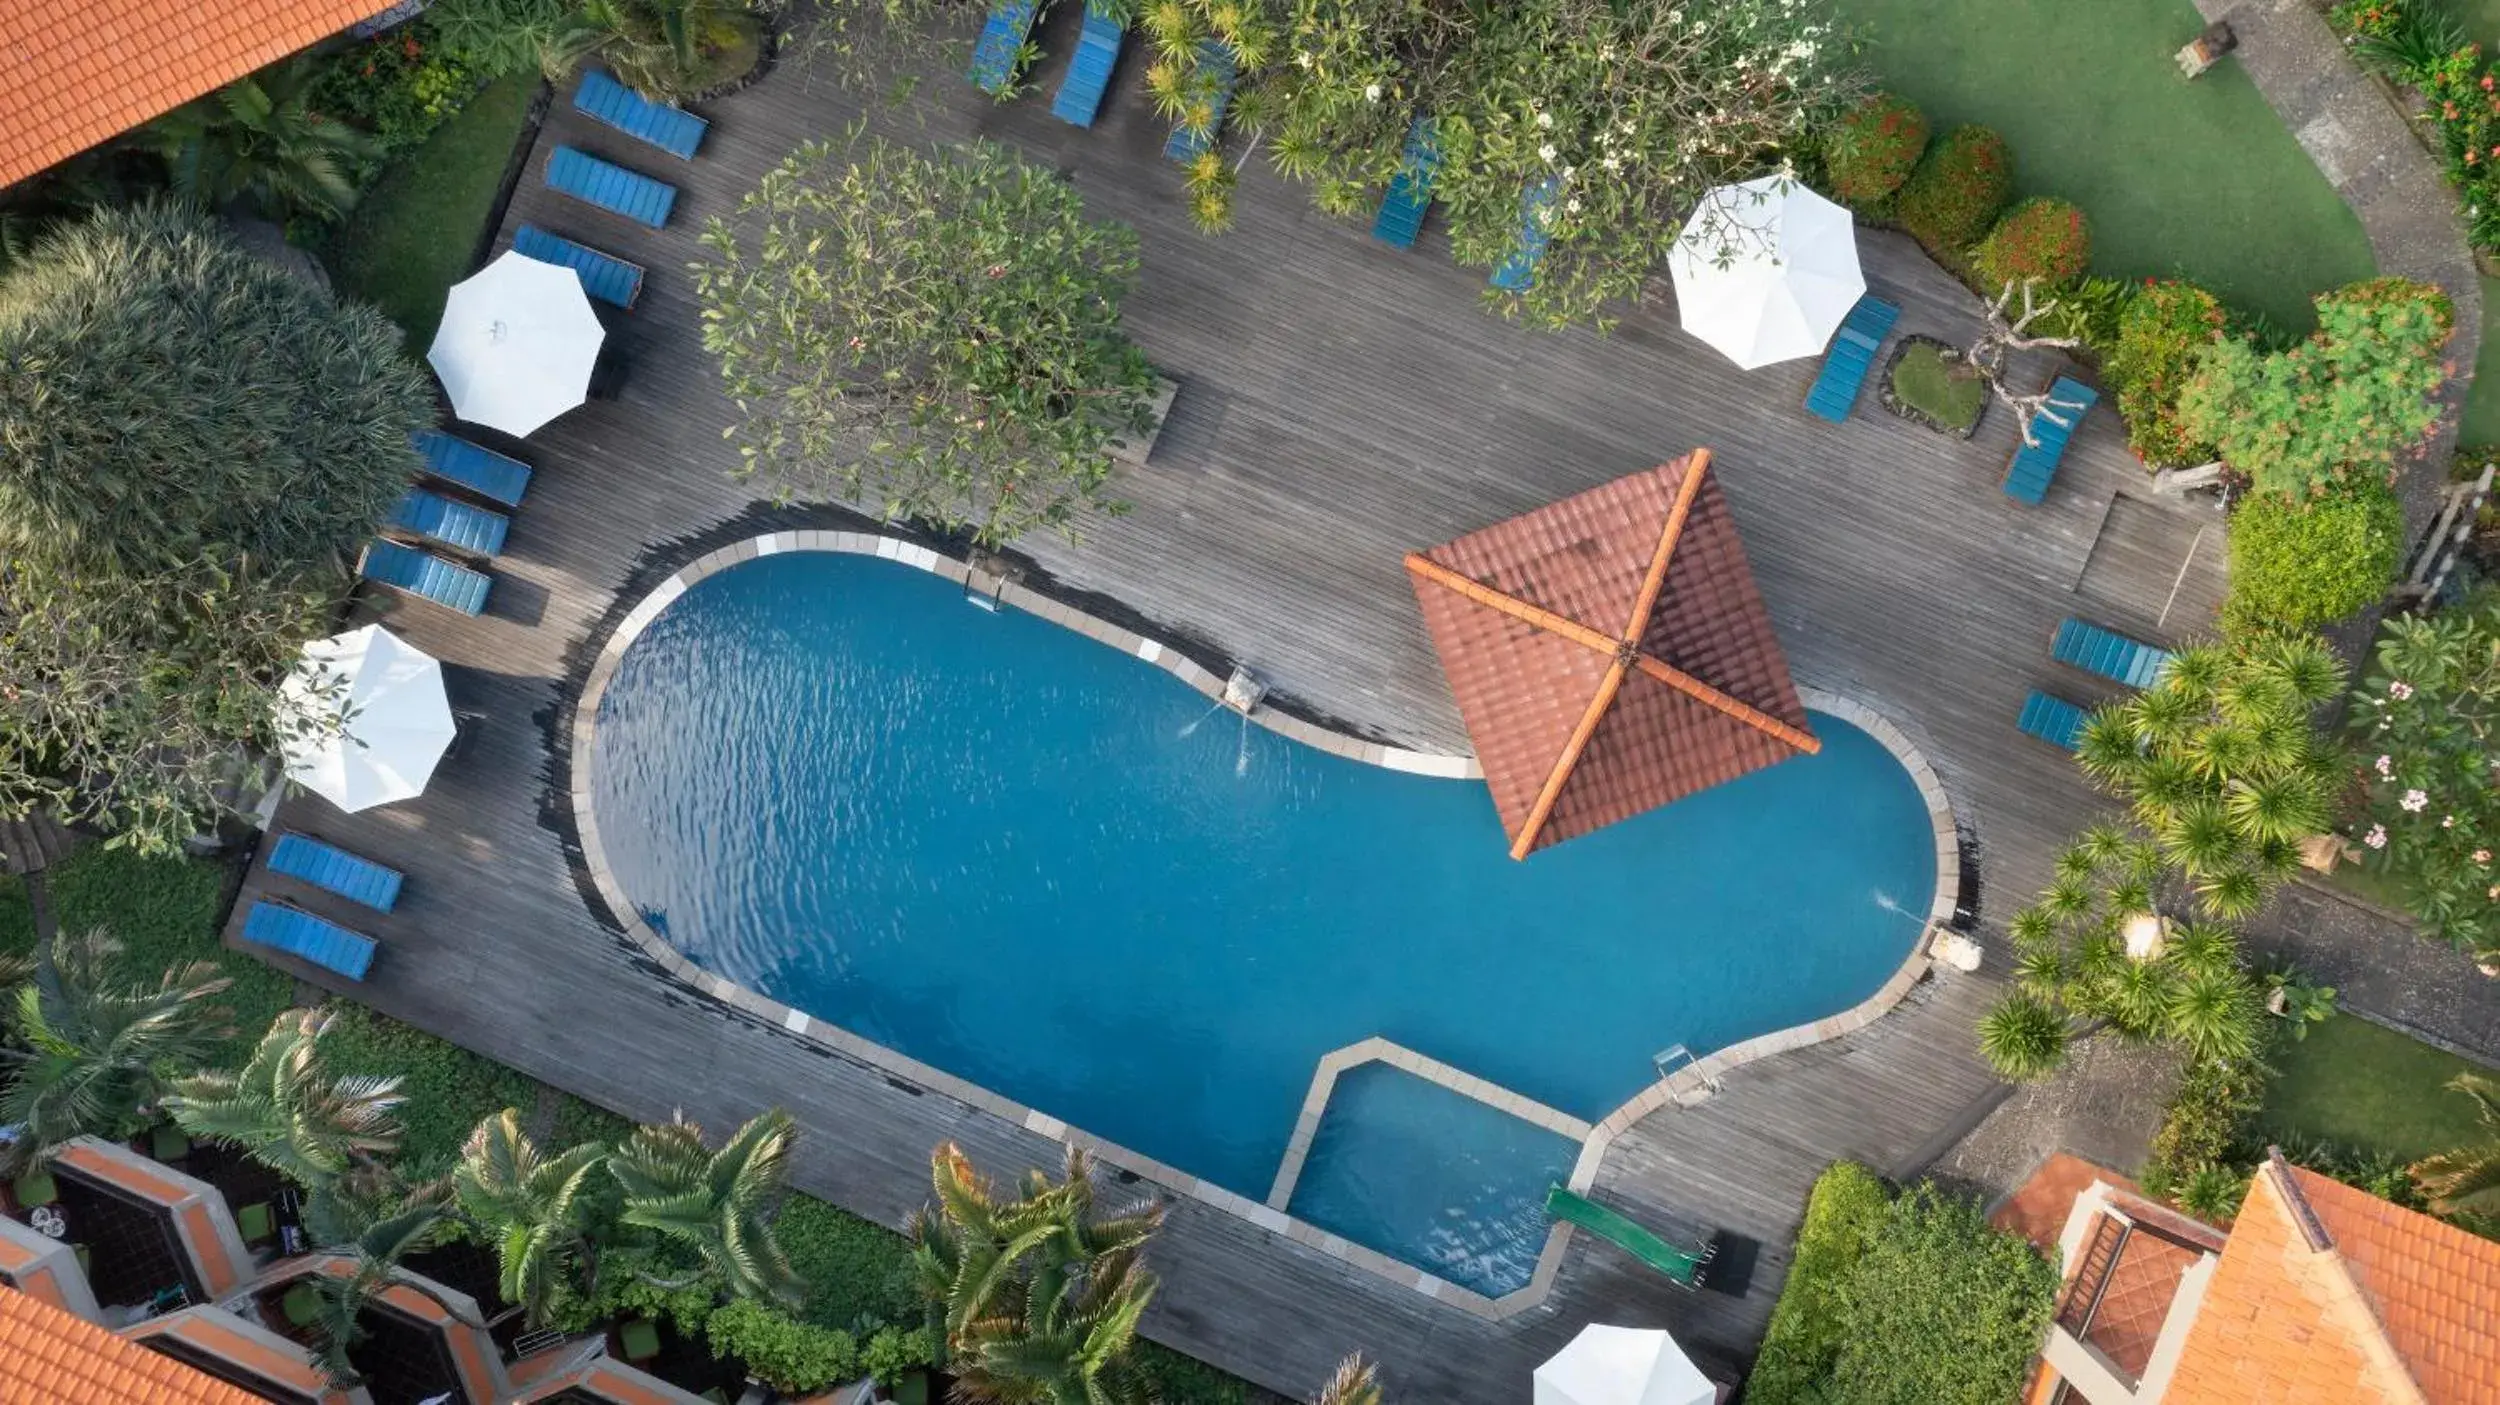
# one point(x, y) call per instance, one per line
point(364, 719)
point(1622, 1366)
point(516, 345)
point(1765, 270)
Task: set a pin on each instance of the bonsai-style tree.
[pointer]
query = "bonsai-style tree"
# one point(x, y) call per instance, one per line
point(932, 335)
point(529, 1205)
point(284, 1109)
point(257, 141)
point(2001, 338)
point(2428, 725)
point(717, 1203)
point(90, 1048)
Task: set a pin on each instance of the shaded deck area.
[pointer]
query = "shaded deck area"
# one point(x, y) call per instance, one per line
point(1341, 404)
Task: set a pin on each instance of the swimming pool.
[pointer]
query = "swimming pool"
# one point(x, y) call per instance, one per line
point(1042, 865)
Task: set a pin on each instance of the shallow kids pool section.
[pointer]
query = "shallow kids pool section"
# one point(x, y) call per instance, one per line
point(996, 846)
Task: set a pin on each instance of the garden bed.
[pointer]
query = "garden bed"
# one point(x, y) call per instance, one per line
point(1922, 382)
point(2368, 1089)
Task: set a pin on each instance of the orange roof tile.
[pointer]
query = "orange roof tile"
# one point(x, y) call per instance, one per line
point(47, 1354)
point(78, 72)
point(2435, 1287)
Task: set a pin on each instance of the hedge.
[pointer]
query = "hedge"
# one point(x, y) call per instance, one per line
point(1941, 1308)
point(2162, 333)
point(2041, 238)
point(791, 1356)
point(2298, 564)
point(1804, 1339)
point(1873, 149)
point(1954, 195)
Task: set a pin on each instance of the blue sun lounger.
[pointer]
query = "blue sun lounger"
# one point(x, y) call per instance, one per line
point(296, 932)
point(424, 575)
point(2034, 466)
point(610, 187)
point(1517, 271)
point(1851, 357)
point(481, 470)
point(334, 870)
point(1401, 215)
point(1089, 73)
point(1217, 70)
point(1000, 50)
point(671, 129)
point(2108, 653)
point(475, 530)
point(604, 276)
point(2053, 720)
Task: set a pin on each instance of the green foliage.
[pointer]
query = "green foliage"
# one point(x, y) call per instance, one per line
point(449, 1090)
point(1934, 382)
point(90, 1048)
point(2421, 43)
point(287, 1111)
point(2090, 311)
point(2207, 1123)
point(1847, 1207)
point(718, 1204)
point(2430, 719)
point(529, 1206)
point(2337, 408)
point(1942, 1309)
point(2468, 1177)
point(2300, 564)
point(1954, 195)
point(891, 1351)
point(2162, 337)
point(667, 50)
point(490, 38)
point(856, 1272)
point(791, 1356)
point(2023, 1037)
point(2214, 1193)
point(1174, 1379)
point(374, 1254)
point(260, 141)
point(163, 913)
point(1871, 150)
point(937, 336)
point(398, 87)
point(2041, 238)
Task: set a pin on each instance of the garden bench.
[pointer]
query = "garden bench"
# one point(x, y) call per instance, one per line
point(671, 129)
point(2034, 466)
point(334, 870)
point(610, 187)
point(1089, 73)
point(1850, 358)
point(426, 576)
point(2108, 653)
point(1217, 69)
point(1517, 271)
point(1000, 51)
point(2053, 720)
point(1402, 209)
point(495, 477)
point(475, 530)
point(604, 276)
point(1682, 1267)
point(296, 932)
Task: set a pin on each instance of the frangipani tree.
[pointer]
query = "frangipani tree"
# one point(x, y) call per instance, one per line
point(2428, 726)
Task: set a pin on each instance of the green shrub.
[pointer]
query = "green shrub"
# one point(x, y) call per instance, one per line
point(2041, 238)
point(1955, 193)
point(2161, 336)
point(2088, 310)
point(2207, 1122)
point(1804, 1339)
point(1941, 1309)
point(1873, 149)
point(2299, 564)
point(892, 1351)
point(791, 1356)
point(858, 1274)
point(450, 1090)
point(17, 918)
point(1174, 1379)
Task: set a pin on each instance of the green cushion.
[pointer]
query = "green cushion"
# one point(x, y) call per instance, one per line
point(255, 1221)
point(301, 1305)
point(912, 1388)
point(35, 1188)
point(640, 1338)
point(168, 1143)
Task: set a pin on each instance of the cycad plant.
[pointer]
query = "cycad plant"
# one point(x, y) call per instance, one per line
point(89, 1044)
point(528, 1204)
point(2469, 1177)
point(668, 50)
point(284, 1109)
point(717, 1203)
point(258, 141)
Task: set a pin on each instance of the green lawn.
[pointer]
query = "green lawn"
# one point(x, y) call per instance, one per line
point(2198, 179)
point(2366, 1087)
point(412, 235)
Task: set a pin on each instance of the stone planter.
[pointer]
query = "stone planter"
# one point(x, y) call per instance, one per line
point(1883, 389)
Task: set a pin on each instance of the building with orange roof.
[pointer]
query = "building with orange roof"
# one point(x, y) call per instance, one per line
point(49, 1353)
point(81, 72)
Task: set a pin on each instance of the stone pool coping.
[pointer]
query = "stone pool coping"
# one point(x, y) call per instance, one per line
point(1688, 1083)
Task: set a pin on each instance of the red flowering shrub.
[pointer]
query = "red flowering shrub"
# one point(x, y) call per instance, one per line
point(2164, 330)
point(1955, 193)
point(2040, 238)
point(1872, 150)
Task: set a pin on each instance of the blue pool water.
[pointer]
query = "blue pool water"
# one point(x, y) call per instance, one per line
point(992, 844)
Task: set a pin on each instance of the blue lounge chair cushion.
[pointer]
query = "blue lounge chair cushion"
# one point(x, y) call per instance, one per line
point(298, 933)
point(2053, 720)
point(1402, 209)
point(458, 525)
point(1851, 358)
point(2108, 653)
point(1517, 271)
point(604, 276)
point(610, 187)
point(1001, 45)
point(333, 869)
point(426, 576)
point(1089, 73)
point(481, 470)
point(671, 129)
point(2034, 466)
point(1217, 70)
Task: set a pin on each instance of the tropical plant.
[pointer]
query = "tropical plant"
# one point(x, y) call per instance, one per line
point(2206, 1122)
point(717, 1203)
point(2023, 1037)
point(1952, 198)
point(285, 1110)
point(2338, 407)
point(372, 1263)
point(2040, 240)
point(2405, 40)
point(529, 1206)
point(1355, 1383)
point(667, 50)
point(258, 141)
point(492, 38)
point(2297, 1000)
point(2429, 718)
point(2469, 1177)
point(2213, 1192)
point(90, 1046)
point(1872, 149)
point(2301, 563)
point(792, 1357)
point(1942, 1308)
point(1843, 1211)
point(2162, 335)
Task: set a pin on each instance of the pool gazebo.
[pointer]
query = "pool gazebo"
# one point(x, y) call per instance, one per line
point(1610, 653)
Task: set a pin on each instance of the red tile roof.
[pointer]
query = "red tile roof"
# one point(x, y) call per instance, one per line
point(74, 73)
point(48, 1355)
point(1610, 653)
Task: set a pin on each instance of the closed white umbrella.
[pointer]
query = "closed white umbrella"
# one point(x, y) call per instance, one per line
point(1765, 271)
point(1622, 1366)
point(517, 343)
point(363, 719)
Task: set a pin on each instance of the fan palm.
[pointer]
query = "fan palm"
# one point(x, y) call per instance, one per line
point(90, 1044)
point(2470, 1175)
point(258, 140)
point(284, 1110)
point(529, 1204)
point(372, 1262)
point(2023, 1038)
point(718, 1204)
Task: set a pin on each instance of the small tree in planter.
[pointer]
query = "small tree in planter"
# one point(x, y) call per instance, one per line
point(2428, 722)
point(1873, 149)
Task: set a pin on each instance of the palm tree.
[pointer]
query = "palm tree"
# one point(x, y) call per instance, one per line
point(1063, 1341)
point(717, 1203)
point(1354, 1384)
point(284, 1110)
point(374, 1255)
point(2023, 1037)
point(529, 1204)
point(664, 49)
point(91, 1044)
point(258, 140)
point(2470, 1175)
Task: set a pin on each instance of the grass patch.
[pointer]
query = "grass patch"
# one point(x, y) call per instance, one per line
point(2368, 1088)
point(1939, 389)
point(2363, 882)
point(2199, 179)
point(411, 236)
point(855, 1269)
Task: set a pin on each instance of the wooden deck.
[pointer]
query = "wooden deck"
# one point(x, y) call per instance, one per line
point(1341, 404)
